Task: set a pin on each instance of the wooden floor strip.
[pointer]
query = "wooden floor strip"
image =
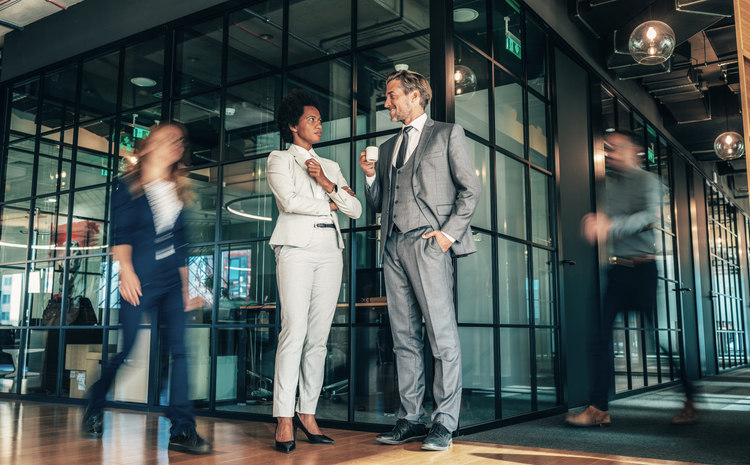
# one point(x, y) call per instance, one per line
point(45, 434)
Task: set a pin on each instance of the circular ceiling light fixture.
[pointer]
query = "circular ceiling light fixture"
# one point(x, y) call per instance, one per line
point(465, 79)
point(729, 145)
point(652, 43)
point(141, 81)
point(465, 15)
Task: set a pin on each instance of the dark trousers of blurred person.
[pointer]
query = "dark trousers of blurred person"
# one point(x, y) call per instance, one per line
point(631, 286)
point(163, 301)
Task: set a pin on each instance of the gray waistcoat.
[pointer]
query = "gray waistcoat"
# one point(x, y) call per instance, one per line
point(405, 213)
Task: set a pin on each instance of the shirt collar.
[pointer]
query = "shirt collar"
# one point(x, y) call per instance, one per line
point(308, 153)
point(419, 122)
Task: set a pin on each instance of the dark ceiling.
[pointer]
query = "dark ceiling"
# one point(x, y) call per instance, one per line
point(698, 88)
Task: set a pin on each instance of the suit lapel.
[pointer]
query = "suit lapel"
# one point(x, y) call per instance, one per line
point(424, 139)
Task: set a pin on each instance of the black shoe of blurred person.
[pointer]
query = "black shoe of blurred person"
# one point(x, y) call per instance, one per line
point(287, 446)
point(439, 438)
point(189, 442)
point(404, 431)
point(313, 438)
point(92, 422)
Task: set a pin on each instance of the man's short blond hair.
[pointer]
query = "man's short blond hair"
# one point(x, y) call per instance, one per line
point(411, 81)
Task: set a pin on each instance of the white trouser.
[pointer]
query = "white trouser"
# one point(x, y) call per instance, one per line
point(309, 279)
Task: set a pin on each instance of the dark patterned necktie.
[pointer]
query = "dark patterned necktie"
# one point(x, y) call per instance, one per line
point(402, 149)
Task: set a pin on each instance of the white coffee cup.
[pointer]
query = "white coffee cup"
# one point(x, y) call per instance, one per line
point(371, 154)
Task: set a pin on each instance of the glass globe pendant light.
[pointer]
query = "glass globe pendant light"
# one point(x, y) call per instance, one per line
point(651, 43)
point(729, 145)
point(466, 80)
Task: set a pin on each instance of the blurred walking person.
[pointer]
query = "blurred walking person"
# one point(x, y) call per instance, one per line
point(149, 243)
point(633, 203)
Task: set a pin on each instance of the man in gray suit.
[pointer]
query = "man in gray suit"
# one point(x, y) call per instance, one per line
point(426, 188)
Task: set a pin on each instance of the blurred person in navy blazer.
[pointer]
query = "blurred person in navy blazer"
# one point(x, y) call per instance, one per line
point(149, 243)
point(307, 242)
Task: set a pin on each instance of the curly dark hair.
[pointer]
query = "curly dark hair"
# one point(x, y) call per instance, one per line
point(291, 109)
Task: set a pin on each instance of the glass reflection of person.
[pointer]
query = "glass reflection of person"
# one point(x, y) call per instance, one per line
point(634, 199)
point(307, 242)
point(149, 244)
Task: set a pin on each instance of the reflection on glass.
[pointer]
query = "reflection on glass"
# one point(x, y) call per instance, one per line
point(316, 31)
point(513, 291)
point(23, 115)
point(198, 57)
point(475, 283)
point(249, 118)
point(472, 81)
point(330, 82)
point(546, 360)
point(99, 87)
point(536, 57)
point(197, 347)
point(623, 117)
point(608, 109)
point(247, 284)
point(53, 174)
point(478, 369)
point(247, 207)
point(373, 67)
point(58, 102)
point(511, 195)
point(131, 382)
point(538, 142)
point(39, 375)
point(379, 20)
point(200, 284)
point(87, 280)
point(200, 115)
point(541, 232)
point(506, 35)
point(515, 371)
point(91, 168)
point(134, 126)
point(544, 290)
point(370, 306)
point(481, 155)
point(14, 232)
point(19, 171)
point(508, 113)
point(143, 73)
point(255, 39)
point(97, 136)
point(90, 211)
point(12, 288)
point(50, 227)
point(245, 369)
point(200, 214)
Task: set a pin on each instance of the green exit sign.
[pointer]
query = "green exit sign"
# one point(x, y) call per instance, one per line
point(651, 156)
point(140, 133)
point(513, 46)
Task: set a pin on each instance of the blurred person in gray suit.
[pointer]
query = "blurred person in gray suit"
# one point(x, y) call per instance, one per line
point(425, 185)
point(307, 241)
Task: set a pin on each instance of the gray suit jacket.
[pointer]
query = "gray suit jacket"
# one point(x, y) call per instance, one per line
point(445, 183)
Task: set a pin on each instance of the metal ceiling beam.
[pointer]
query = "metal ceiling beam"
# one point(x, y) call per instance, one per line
point(11, 25)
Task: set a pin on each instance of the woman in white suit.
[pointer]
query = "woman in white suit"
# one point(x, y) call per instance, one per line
point(307, 242)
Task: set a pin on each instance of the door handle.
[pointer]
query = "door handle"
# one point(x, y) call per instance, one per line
point(682, 289)
point(568, 262)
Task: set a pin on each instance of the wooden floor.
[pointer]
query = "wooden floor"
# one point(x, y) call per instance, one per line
point(41, 434)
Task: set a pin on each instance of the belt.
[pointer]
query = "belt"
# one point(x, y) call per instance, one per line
point(324, 225)
point(632, 261)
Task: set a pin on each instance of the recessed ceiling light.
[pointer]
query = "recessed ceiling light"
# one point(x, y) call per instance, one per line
point(52, 200)
point(266, 36)
point(401, 67)
point(464, 15)
point(141, 81)
point(229, 111)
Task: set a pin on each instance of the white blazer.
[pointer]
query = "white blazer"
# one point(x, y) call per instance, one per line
point(299, 209)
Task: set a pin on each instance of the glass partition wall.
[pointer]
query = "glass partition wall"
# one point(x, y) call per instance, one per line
point(72, 129)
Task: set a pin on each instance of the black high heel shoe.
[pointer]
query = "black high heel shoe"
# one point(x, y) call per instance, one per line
point(313, 438)
point(286, 446)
